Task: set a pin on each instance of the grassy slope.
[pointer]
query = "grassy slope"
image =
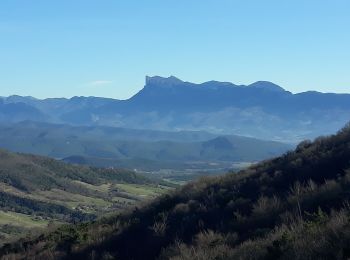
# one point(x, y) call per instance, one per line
point(292, 207)
point(37, 187)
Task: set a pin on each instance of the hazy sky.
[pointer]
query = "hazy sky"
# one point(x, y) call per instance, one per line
point(106, 47)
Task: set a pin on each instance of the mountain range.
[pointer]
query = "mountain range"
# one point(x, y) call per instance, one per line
point(262, 110)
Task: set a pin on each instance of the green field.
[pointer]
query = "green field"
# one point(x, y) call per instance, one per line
point(14, 224)
point(142, 190)
point(109, 198)
point(18, 219)
point(72, 200)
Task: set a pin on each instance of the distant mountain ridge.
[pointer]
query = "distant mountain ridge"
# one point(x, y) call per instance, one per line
point(122, 147)
point(263, 109)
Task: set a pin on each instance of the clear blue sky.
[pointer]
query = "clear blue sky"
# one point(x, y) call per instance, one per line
point(106, 47)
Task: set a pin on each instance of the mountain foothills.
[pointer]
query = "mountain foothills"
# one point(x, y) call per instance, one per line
point(262, 109)
point(295, 206)
point(37, 192)
point(136, 149)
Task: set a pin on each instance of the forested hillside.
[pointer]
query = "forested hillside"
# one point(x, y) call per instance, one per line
point(131, 148)
point(292, 207)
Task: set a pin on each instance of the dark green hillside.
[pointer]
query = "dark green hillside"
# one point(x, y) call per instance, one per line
point(29, 172)
point(292, 207)
point(133, 149)
point(36, 191)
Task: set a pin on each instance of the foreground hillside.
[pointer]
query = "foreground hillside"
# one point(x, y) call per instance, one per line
point(292, 207)
point(36, 192)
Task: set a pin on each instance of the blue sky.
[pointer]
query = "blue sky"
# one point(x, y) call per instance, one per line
point(106, 47)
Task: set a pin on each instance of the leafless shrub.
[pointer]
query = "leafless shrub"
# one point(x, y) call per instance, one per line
point(208, 245)
point(266, 205)
point(160, 225)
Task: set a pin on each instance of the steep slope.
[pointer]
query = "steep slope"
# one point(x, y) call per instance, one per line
point(172, 94)
point(39, 190)
point(292, 207)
